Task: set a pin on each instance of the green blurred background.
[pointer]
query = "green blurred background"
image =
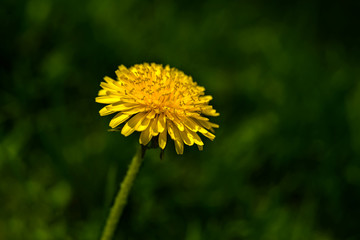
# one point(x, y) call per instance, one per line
point(285, 161)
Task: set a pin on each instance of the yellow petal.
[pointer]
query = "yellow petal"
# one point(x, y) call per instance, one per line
point(170, 129)
point(206, 98)
point(109, 84)
point(203, 100)
point(195, 137)
point(109, 80)
point(104, 111)
point(106, 86)
point(129, 100)
point(179, 147)
point(189, 123)
point(187, 140)
point(117, 107)
point(154, 126)
point(161, 122)
point(127, 130)
point(199, 117)
point(214, 125)
point(178, 123)
point(200, 89)
point(132, 124)
point(179, 144)
point(169, 115)
point(102, 92)
point(162, 139)
point(136, 120)
point(113, 93)
point(135, 110)
point(145, 137)
point(210, 112)
point(205, 124)
point(118, 119)
point(144, 124)
point(107, 99)
point(207, 134)
point(151, 114)
point(200, 147)
point(121, 71)
point(112, 83)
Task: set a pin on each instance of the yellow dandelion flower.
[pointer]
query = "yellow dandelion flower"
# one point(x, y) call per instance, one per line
point(158, 101)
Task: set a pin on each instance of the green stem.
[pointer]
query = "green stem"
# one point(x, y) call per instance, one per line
point(121, 197)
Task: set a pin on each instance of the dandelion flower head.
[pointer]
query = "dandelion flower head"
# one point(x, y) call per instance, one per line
point(158, 101)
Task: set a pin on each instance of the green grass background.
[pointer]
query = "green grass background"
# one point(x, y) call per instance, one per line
point(285, 161)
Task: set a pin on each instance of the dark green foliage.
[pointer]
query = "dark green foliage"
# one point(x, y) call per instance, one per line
point(285, 161)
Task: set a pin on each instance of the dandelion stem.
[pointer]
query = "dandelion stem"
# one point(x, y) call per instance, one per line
point(122, 195)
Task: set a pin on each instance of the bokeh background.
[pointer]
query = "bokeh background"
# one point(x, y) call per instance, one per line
point(284, 76)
